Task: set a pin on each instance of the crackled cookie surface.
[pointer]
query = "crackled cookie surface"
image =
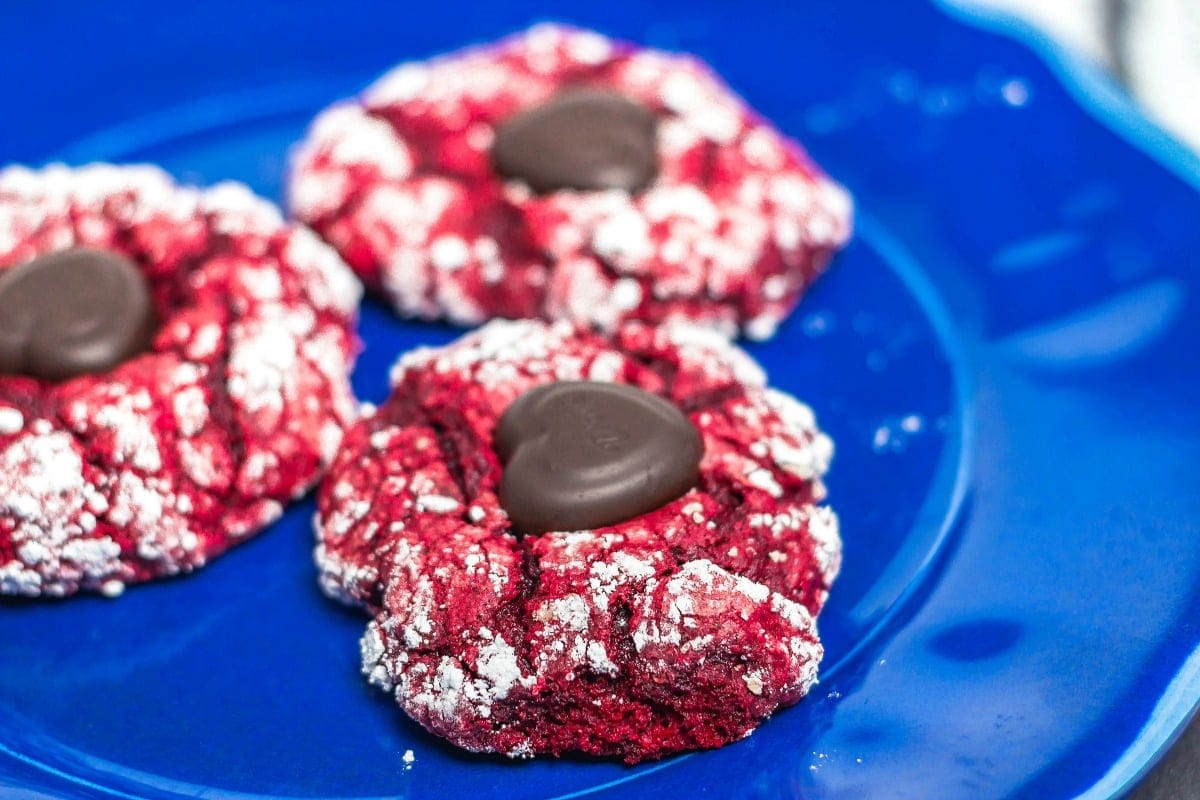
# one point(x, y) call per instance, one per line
point(562, 175)
point(173, 369)
point(682, 627)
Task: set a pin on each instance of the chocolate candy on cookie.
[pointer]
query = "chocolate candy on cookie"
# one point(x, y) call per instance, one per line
point(559, 174)
point(73, 312)
point(584, 454)
point(570, 540)
point(173, 369)
point(580, 140)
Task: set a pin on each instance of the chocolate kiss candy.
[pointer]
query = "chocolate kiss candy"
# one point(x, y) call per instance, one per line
point(580, 455)
point(72, 312)
point(582, 139)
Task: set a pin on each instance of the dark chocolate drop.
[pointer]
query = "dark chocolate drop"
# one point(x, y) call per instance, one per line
point(583, 139)
point(73, 312)
point(580, 455)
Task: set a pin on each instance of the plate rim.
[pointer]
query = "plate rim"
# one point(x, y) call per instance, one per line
point(1106, 102)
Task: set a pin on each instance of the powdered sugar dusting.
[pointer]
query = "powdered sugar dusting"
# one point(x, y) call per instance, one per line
point(43, 493)
point(823, 527)
point(498, 668)
point(11, 421)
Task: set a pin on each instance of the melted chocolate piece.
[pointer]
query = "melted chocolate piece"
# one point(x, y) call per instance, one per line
point(581, 139)
point(71, 313)
point(581, 455)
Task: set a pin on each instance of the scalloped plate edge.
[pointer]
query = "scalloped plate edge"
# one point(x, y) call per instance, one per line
point(1111, 106)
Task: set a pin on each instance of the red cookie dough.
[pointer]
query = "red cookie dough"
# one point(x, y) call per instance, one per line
point(737, 224)
point(681, 628)
point(179, 453)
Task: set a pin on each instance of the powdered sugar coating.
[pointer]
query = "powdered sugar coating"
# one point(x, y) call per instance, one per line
point(735, 227)
point(682, 628)
point(173, 456)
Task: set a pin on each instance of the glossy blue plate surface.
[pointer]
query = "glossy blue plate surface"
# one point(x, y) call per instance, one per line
point(1005, 357)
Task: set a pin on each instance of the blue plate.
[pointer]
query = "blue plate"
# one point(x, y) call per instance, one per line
point(1005, 356)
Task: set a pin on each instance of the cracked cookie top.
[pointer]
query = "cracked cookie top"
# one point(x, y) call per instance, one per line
point(681, 627)
point(560, 174)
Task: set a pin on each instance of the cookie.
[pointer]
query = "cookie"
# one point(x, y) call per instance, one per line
point(558, 174)
point(173, 370)
point(681, 611)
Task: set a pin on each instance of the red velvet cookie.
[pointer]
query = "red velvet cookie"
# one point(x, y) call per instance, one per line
point(682, 627)
point(173, 369)
point(561, 175)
